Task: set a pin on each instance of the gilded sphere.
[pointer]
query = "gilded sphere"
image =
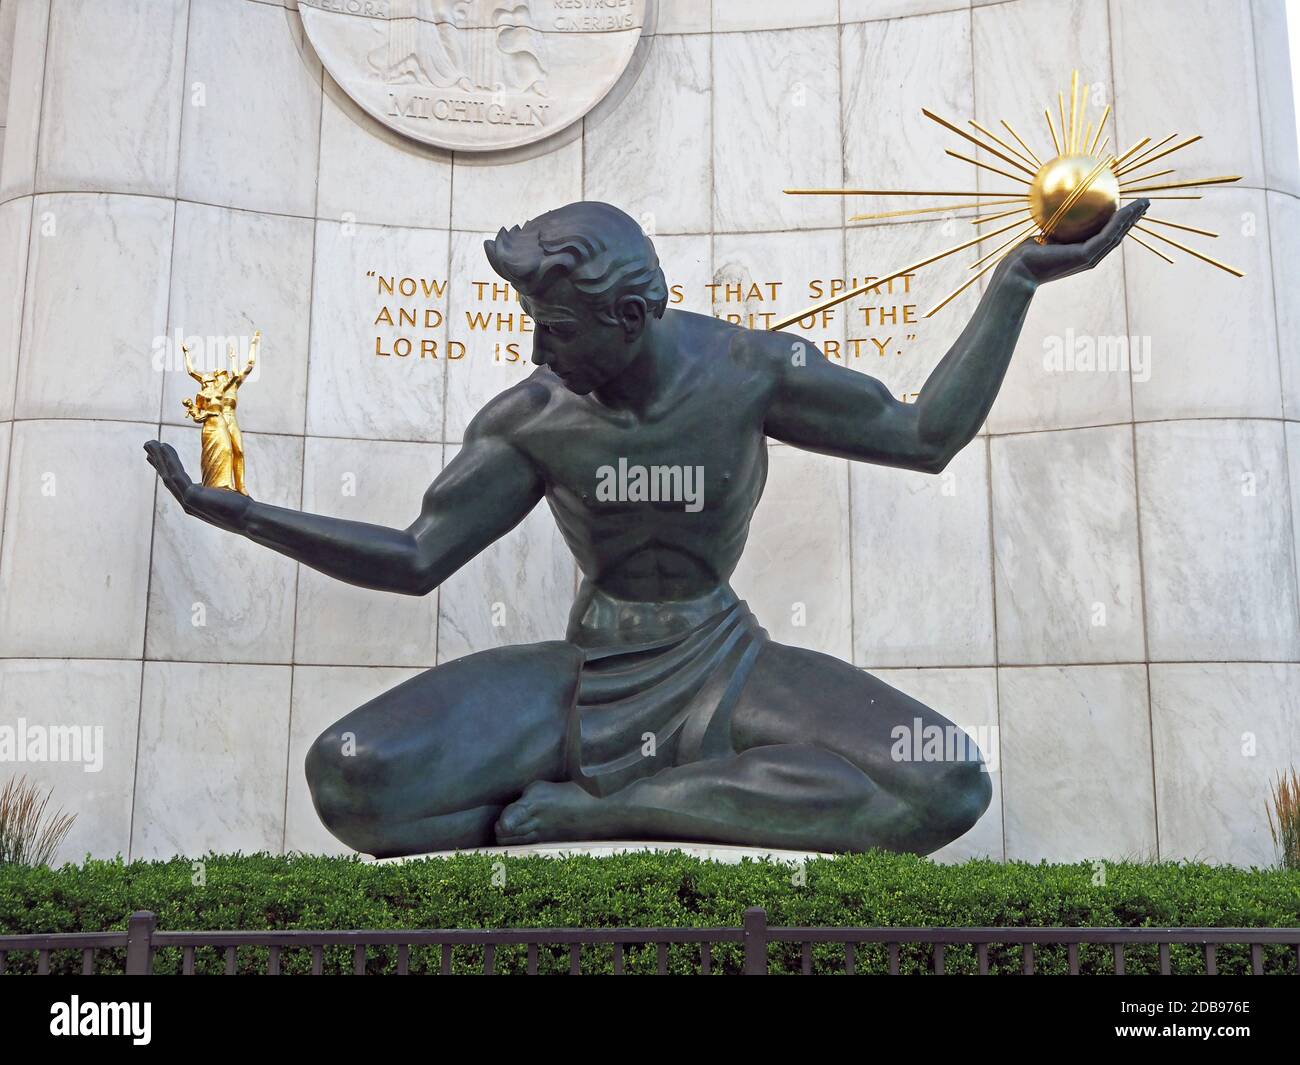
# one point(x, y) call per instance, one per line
point(1056, 181)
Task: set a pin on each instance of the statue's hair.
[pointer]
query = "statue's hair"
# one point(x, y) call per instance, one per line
point(600, 250)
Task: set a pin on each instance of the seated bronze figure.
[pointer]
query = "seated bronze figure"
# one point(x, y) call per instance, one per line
point(666, 713)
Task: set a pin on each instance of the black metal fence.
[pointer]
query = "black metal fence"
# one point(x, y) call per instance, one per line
point(137, 948)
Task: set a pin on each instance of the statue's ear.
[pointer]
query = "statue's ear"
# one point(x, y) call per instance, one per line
point(632, 314)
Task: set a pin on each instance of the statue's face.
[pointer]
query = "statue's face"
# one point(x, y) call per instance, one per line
point(581, 349)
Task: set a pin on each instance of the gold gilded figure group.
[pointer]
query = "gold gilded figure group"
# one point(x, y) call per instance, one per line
point(214, 409)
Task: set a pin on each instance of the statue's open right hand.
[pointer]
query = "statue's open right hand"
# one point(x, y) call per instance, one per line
point(216, 505)
point(1052, 260)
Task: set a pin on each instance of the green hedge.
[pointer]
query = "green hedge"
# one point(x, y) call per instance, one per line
point(477, 891)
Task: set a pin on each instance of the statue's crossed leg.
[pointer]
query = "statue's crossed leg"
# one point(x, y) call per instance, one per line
point(471, 754)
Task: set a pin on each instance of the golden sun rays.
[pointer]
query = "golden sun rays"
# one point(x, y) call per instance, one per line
point(1068, 198)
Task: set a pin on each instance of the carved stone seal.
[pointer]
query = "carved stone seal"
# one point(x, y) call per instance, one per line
point(475, 75)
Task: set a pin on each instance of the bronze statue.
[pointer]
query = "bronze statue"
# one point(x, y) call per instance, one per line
point(667, 713)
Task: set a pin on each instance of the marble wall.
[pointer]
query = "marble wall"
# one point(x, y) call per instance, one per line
point(8, 16)
point(1103, 583)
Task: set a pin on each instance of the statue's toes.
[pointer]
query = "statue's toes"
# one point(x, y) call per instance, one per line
point(517, 824)
point(517, 838)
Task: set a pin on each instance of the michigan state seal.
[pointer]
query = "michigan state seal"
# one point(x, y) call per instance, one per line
point(475, 75)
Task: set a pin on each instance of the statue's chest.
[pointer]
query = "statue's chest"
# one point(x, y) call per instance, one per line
point(695, 462)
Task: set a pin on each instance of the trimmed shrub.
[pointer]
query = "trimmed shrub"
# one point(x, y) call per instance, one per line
point(646, 890)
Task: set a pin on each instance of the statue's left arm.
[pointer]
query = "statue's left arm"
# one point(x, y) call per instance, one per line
point(238, 376)
point(823, 407)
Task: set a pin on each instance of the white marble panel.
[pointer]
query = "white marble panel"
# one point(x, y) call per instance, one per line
point(875, 10)
point(1075, 362)
point(1293, 468)
point(250, 129)
point(687, 263)
point(1206, 86)
point(96, 307)
point(887, 332)
point(26, 75)
point(361, 383)
point(382, 483)
point(649, 152)
point(683, 16)
point(795, 570)
point(1276, 101)
point(729, 15)
point(75, 563)
point(1284, 241)
point(213, 744)
point(517, 591)
point(1065, 543)
point(322, 695)
point(891, 70)
point(15, 225)
point(8, 19)
point(215, 596)
point(6, 435)
point(759, 278)
point(487, 332)
point(1217, 545)
point(1223, 731)
point(487, 193)
point(93, 772)
point(113, 92)
point(969, 699)
point(1076, 763)
point(922, 576)
point(1025, 53)
point(1213, 337)
point(369, 173)
point(234, 272)
point(775, 100)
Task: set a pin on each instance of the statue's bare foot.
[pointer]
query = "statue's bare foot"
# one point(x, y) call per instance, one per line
point(548, 811)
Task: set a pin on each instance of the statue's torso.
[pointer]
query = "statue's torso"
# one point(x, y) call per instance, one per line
point(706, 451)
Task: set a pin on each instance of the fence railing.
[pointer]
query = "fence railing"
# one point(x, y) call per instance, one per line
point(142, 941)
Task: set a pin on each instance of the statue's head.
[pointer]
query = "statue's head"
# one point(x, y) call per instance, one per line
point(589, 278)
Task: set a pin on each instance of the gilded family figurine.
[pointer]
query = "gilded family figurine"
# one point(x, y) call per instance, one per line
point(222, 461)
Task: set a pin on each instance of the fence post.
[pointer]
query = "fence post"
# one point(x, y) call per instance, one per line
point(139, 932)
point(755, 940)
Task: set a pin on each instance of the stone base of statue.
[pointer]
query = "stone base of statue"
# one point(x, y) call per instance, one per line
point(712, 852)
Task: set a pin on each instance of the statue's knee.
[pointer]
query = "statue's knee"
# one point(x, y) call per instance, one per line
point(335, 775)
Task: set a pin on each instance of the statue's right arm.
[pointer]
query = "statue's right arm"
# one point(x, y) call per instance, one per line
point(480, 496)
point(189, 366)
